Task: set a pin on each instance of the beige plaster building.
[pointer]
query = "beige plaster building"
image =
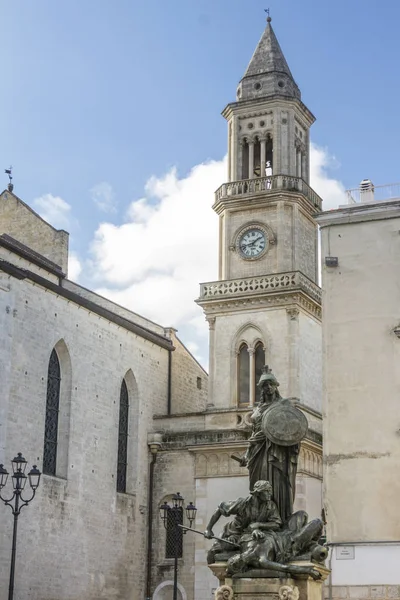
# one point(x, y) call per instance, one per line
point(360, 249)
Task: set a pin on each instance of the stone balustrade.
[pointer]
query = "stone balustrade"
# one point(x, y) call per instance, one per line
point(272, 183)
point(260, 285)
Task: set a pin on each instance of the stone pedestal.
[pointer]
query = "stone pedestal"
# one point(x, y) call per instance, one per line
point(259, 585)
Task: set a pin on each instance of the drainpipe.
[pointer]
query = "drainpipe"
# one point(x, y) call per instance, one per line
point(154, 446)
point(169, 392)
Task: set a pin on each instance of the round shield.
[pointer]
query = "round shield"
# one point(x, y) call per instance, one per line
point(284, 424)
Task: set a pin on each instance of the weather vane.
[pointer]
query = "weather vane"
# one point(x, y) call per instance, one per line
point(266, 10)
point(10, 183)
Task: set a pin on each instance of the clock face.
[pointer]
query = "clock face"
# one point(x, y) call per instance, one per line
point(252, 242)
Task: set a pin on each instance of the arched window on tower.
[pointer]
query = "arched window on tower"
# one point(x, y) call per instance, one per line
point(123, 437)
point(52, 412)
point(250, 362)
point(243, 371)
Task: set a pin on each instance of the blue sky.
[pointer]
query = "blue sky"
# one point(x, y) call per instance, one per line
point(108, 93)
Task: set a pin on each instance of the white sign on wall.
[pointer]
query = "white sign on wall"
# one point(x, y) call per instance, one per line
point(345, 552)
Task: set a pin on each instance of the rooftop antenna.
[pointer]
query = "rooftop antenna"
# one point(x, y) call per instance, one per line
point(10, 183)
point(266, 10)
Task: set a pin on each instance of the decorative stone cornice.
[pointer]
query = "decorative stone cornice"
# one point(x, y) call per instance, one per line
point(280, 289)
point(262, 187)
point(216, 461)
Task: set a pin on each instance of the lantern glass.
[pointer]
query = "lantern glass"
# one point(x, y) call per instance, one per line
point(34, 477)
point(19, 463)
point(164, 508)
point(3, 476)
point(191, 511)
point(178, 500)
point(19, 480)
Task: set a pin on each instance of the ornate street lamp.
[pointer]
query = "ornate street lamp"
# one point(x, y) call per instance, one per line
point(16, 502)
point(172, 517)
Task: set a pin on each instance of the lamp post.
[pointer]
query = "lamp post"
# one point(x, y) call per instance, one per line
point(16, 502)
point(172, 517)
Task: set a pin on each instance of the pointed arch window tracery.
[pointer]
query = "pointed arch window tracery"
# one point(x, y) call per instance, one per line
point(51, 418)
point(123, 428)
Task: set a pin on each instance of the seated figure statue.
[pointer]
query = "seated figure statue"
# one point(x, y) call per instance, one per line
point(262, 540)
point(255, 512)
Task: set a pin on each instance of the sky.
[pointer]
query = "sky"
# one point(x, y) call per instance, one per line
point(110, 117)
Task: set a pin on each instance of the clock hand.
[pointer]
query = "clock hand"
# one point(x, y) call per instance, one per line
point(256, 240)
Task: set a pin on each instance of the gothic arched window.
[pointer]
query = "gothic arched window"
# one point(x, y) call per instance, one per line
point(243, 375)
point(52, 411)
point(123, 437)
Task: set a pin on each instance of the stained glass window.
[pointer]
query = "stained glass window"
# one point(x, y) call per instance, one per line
point(123, 438)
point(51, 420)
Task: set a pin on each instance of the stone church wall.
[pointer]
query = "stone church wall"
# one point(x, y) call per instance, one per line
point(174, 472)
point(92, 540)
point(189, 379)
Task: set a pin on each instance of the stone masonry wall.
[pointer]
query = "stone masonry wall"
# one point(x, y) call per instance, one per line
point(189, 379)
point(79, 539)
point(23, 224)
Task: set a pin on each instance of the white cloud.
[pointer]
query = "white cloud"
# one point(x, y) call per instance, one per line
point(104, 198)
point(154, 262)
point(74, 266)
point(331, 190)
point(54, 210)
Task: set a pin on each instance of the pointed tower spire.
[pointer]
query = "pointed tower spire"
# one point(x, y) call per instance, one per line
point(268, 73)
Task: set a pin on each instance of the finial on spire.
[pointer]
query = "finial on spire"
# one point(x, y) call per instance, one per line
point(10, 183)
point(268, 18)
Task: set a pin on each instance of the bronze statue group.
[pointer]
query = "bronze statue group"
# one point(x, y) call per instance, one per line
point(265, 536)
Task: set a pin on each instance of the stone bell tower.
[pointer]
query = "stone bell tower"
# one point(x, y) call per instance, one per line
point(265, 307)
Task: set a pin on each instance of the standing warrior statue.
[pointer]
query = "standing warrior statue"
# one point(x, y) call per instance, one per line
point(277, 429)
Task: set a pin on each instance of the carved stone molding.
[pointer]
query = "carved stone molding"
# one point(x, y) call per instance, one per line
point(310, 460)
point(218, 463)
point(228, 303)
point(293, 313)
point(225, 592)
point(288, 592)
point(244, 420)
point(263, 113)
point(211, 322)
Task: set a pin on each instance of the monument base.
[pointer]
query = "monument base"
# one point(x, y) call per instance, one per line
point(258, 585)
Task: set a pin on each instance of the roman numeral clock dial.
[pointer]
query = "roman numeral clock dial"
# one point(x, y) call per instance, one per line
point(252, 243)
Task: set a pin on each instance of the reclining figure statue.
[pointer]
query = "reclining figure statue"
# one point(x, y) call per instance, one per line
point(263, 541)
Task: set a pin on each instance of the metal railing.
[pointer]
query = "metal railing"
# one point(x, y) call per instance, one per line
point(272, 183)
point(259, 285)
point(376, 193)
